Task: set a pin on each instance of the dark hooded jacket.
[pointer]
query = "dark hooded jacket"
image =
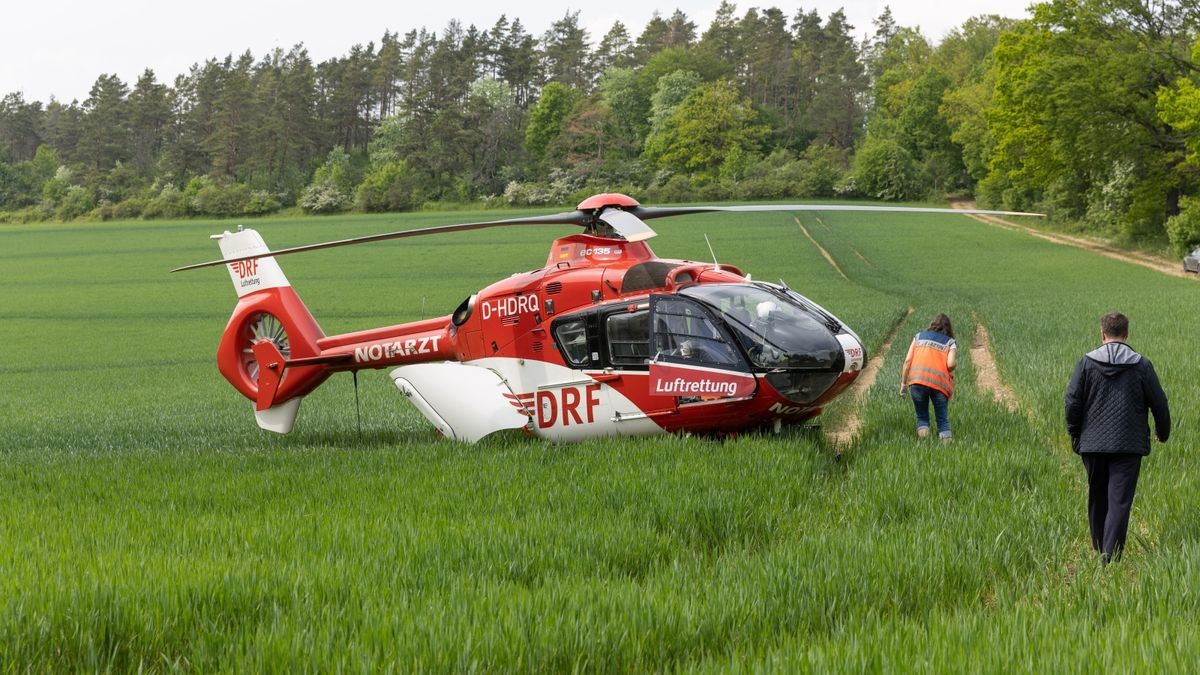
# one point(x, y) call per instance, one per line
point(1110, 391)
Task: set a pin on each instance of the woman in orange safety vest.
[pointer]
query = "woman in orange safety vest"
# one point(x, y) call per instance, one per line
point(928, 375)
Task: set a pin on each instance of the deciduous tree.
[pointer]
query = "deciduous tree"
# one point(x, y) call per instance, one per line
point(1075, 118)
point(714, 123)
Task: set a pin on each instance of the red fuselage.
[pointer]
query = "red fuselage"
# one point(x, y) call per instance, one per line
point(581, 347)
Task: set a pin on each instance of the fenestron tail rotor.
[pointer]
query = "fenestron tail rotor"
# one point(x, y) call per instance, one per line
point(259, 327)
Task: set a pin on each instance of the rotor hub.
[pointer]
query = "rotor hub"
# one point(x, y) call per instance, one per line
point(598, 202)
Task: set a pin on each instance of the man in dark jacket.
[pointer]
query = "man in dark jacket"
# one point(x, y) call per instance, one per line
point(1110, 391)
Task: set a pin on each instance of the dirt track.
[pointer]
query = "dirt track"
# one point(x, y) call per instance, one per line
point(987, 377)
point(820, 248)
point(1155, 263)
point(848, 429)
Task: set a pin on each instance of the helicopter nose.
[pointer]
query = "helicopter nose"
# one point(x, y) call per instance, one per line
point(816, 366)
point(853, 351)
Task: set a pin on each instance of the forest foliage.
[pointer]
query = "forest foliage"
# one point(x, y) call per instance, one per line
point(1088, 110)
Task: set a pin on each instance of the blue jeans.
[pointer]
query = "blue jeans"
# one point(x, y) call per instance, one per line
point(921, 397)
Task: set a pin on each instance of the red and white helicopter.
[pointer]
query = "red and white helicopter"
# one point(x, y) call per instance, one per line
point(607, 339)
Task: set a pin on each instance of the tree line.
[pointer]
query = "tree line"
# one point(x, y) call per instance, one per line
point(1087, 110)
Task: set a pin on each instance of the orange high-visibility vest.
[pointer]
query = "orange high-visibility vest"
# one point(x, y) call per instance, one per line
point(927, 365)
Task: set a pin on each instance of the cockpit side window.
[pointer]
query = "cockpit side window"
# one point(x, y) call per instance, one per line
point(571, 336)
point(628, 338)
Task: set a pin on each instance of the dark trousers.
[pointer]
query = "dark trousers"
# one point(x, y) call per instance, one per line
point(1112, 479)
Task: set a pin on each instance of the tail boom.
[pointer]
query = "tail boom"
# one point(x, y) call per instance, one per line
point(274, 352)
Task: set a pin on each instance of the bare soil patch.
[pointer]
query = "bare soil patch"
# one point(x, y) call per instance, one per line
point(987, 377)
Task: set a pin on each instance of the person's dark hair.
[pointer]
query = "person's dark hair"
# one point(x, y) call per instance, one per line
point(1115, 325)
point(941, 324)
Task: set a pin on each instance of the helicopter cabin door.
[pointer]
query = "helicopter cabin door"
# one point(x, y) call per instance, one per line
point(693, 355)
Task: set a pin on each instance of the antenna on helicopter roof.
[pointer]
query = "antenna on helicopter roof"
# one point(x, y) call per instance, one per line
point(716, 265)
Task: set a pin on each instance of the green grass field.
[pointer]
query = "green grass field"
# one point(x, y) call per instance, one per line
point(147, 524)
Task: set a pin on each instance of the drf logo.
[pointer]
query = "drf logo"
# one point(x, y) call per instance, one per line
point(245, 268)
point(562, 407)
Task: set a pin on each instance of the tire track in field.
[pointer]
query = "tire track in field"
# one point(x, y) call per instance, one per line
point(1133, 257)
point(847, 431)
point(820, 248)
point(850, 246)
point(987, 376)
point(861, 257)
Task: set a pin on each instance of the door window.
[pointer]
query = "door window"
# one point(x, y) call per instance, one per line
point(628, 338)
point(684, 332)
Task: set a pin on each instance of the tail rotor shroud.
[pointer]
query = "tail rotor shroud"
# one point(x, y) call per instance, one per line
point(263, 326)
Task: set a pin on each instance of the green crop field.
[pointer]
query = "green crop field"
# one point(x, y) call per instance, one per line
point(147, 524)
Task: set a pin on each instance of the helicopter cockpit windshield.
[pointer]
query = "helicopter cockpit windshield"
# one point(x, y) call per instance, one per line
point(774, 328)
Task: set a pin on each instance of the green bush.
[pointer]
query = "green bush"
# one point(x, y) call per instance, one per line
point(54, 190)
point(76, 201)
point(391, 186)
point(885, 170)
point(130, 208)
point(767, 178)
point(530, 193)
point(715, 191)
point(169, 203)
point(737, 163)
point(1183, 229)
point(218, 200)
point(192, 190)
point(562, 185)
point(103, 212)
point(29, 214)
point(332, 184)
point(820, 170)
point(261, 203)
point(323, 196)
point(677, 188)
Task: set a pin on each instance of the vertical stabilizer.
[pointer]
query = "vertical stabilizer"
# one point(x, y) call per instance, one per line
point(254, 274)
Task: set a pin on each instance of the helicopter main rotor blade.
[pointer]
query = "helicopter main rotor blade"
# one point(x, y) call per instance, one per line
point(650, 212)
point(625, 219)
point(565, 218)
